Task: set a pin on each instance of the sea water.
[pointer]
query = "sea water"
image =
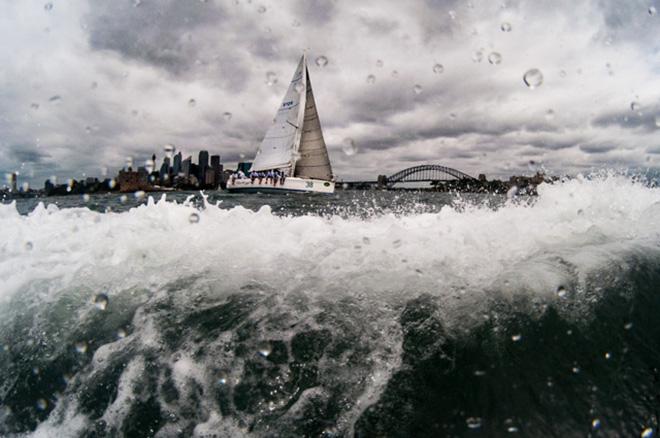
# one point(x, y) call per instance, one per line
point(358, 314)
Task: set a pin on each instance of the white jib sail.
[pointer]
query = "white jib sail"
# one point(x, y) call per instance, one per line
point(281, 140)
point(313, 160)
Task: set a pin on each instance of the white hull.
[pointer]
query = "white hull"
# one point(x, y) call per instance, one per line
point(291, 184)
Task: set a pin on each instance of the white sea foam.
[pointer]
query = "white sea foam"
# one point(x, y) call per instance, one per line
point(461, 247)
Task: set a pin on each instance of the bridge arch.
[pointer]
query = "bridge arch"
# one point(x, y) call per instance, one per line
point(425, 173)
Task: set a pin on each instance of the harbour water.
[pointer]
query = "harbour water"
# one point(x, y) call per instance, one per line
point(358, 314)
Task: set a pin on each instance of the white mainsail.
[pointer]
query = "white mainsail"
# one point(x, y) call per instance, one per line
point(313, 160)
point(283, 137)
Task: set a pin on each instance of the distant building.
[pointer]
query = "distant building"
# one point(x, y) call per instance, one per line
point(14, 181)
point(203, 164)
point(129, 181)
point(164, 173)
point(244, 166)
point(176, 167)
point(186, 166)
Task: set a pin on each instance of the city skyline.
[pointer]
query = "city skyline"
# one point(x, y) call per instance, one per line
point(431, 81)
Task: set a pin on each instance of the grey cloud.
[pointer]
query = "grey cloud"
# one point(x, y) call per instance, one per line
point(597, 148)
point(26, 154)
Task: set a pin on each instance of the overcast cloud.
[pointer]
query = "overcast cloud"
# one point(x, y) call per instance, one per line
point(85, 84)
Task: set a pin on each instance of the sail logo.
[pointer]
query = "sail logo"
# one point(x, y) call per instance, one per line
point(287, 104)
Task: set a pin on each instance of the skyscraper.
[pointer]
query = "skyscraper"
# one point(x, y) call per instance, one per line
point(203, 165)
point(165, 170)
point(185, 166)
point(176, 168)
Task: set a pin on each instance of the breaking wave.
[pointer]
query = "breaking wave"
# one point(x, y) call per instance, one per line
point(530, 316)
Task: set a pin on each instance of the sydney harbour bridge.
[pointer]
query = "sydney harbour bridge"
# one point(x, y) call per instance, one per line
point(426, 173)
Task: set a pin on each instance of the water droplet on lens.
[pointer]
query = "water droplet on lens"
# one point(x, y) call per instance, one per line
point(48, 6)
point(562, 73)
point(533, 78)
point(550, 114)
point(371, 79)
point(139, 194)
point(635, 106)
point(55, 99)
point(494, 58)
point(321, 61)
point(149, 165)
point(366, 240)
point(417, 89)
point(295, 23)
point(85, 197)
point(264, 348)
point(516, 337)
point(511, 193)
point(81, 347)
point(608, 356)
point(121, 333)
point(576, 370)
point(595, 424)
point(473, 422)
point(271, 78)
point(123, 199)
point(561, 292)
point(652, 10)
point(395, 73)
point(628, 326)
point(227, 116)
point(647, 433)
point(452, 15)
point(349, 147)
point(299, 87)
point(101, 301)
point(512, 429)
point(34, 106)
point(261, 9)
point(506, 27)
point(42, 404)
point(438, 68)
point(222, 378)
point(192, 103)
point(193, 218)
point(169, 150)
point(478, 56)
point(379, 63)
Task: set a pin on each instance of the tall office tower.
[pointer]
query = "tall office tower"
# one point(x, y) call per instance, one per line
point(185, 166)
point(216, 170)
point(203, 165)
point(14, 182)
point(176, 168)
point(165, 170)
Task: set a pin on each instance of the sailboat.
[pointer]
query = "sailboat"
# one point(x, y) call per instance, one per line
point(292, 156)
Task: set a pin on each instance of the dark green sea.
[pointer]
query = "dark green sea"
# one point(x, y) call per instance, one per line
point(366, 314)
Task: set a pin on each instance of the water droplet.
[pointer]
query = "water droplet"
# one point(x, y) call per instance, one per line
point(137, 3)
point(561, 292)
point(473, 422)
point(478, 56)
point(101, 301)
point(261, 9)
point(511, 193)
point(42, 404)
point(635, 106)
point(608, 355)
point(395, 73)
point(193, 218)
point(652, 10)
point(295, 23)
point(506, 27)
point(550, 114)
point(299, 87)
point(417, 89)
point(264, 349)
point(55, 99)
point(139, 194)
point(121, 333)
point(271, 78)
point(321, 61)
point(85, 197)
point(595, 424)
point(379, 63)
point(81, 347)
point(222, 378)
point(371, 79)
point(516, 337)
point(396, 243)
point(112, 183)
point(480, 373)
point(192, 103)
point(34, 106)
point(533, 78)
point(512, 429)
point(349, 147)
point(628, 326)
point(129, 161)
point(647, 433)
point(576, 370)
point(48, 6)
point(562, 73)
point(123, 199)
point(149, 165)
point(452, 14)
point(438, 68)
point(494, 58)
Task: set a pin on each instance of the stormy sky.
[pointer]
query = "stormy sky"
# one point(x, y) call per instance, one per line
point(86, 84)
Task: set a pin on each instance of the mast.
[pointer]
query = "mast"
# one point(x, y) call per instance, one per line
point(295, 154)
